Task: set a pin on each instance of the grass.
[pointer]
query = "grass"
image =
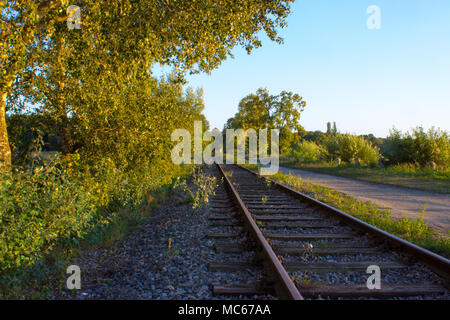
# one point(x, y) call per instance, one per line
point(407, 176)
point(415, 231)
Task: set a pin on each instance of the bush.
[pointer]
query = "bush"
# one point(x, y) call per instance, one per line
point(418, 147)
point(42, 205)
point(331, 144)
point(348, 147)
point(203, 187)
point(307, 151)
point(63, 201)
point(367, 152)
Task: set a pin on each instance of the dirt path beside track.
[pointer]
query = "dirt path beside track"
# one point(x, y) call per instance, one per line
point(401, 201)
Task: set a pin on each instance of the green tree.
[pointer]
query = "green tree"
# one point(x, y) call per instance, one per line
point(192, 35)
point(329, 128)
point(262, 110)
point(315, 136)
point(286, 116)
point(254, 111)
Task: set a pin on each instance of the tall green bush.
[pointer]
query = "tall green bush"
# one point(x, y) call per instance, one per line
point(42, 205)
point(63, 201)
point(367, 152)
point(348, 147)
point(419, 146)
point(307, 151)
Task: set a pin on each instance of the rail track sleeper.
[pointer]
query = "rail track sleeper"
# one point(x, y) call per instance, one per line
point(286, 218)
point(327, 251)
point(232, 266)
point(269, 204)
point(223, 210)
point(220, 199)
point(279, 211)
point(240, 187)
point(214, 203)
point(310, 236)
point(247, 196)
point(221, 217)
point(225, 223)
point(215, 235)
point(337, 291)
point(298, 251)
point(271, 197)
point(295, 245)
point(238, 289)
point(386, 291)
point(296, 225)
point(325, 267)
point(229, 248)
point(223, 206)
point(270, 207)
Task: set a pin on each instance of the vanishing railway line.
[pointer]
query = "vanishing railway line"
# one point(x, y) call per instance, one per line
point(307, 249)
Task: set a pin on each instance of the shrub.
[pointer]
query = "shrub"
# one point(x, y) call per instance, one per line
point(418, 147)
point(331, 144)
point(366, 152)
point(203, 187)
point(348, 147)
point(307, 151)
point(63, 201)
point(43, 205)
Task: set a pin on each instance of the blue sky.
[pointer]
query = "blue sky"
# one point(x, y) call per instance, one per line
point(365, 80)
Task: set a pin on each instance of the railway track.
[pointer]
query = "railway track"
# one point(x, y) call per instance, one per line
point(303, 249)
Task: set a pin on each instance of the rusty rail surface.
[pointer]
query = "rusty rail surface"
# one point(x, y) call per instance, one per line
point(437, 263)
point(284, 286)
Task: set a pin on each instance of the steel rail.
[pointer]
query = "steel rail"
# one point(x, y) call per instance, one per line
point(437, 263)
point(284, 286)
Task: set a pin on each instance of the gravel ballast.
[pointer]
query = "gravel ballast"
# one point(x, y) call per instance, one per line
point(141, 266)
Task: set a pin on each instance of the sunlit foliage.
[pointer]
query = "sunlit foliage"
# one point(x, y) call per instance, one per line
point(419, 146)
point(47, 62)
point(262, 110)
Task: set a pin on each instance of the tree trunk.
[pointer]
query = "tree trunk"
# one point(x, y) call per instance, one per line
point(63, 121)
point(5, 150)
point(65, 134)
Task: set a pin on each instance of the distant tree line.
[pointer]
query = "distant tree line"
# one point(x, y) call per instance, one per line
point(417, 147)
